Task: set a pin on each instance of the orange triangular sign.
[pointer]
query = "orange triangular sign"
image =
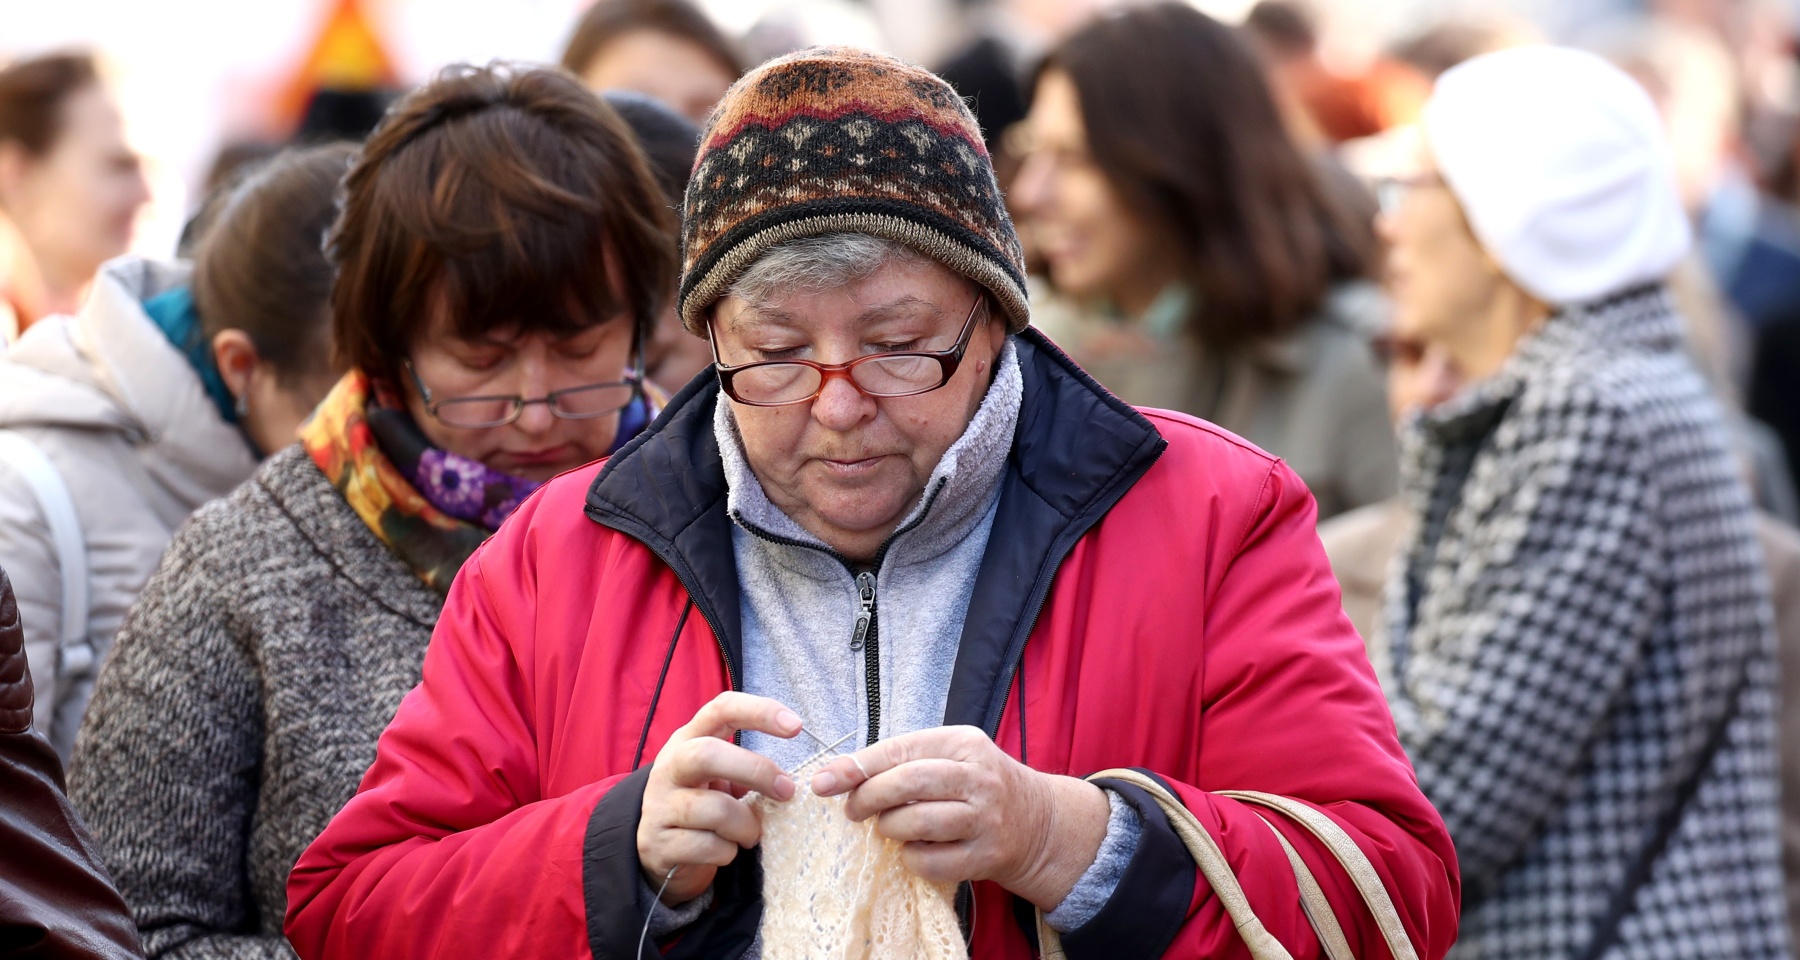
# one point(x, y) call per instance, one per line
point(348, 55)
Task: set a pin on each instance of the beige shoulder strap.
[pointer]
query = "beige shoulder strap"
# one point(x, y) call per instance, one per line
point(1350, 856)
point(1211, 862)
point(1313, 901)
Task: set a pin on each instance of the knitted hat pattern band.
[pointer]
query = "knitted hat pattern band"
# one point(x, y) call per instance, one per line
point(832, 140)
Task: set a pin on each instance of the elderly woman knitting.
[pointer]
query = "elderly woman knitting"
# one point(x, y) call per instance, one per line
point(904, 520)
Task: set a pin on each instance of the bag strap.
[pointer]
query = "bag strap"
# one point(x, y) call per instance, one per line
point(66, 541)
point(1350, 856)
point(1313, 901)
point(1211, 862)
point(1606, 929)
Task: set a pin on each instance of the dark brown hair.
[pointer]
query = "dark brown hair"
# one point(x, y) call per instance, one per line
point(668, 139)
point(608, 20)
point(501, 195)
point(32, 94)
point(260, 267)
point(1180, 119)
point(1284, 27)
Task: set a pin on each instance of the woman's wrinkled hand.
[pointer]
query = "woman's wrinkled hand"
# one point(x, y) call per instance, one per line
point(692, 817)
point(965, 810)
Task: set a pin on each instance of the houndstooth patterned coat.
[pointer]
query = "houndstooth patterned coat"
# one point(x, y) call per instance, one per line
point(1581, 605)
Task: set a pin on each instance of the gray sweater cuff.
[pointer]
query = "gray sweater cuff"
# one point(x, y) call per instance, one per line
point(665, 919)
point(1123, 829)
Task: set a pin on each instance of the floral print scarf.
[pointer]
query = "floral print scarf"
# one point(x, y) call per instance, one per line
point(430, 506)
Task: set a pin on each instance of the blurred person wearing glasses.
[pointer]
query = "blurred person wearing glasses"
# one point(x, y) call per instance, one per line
point(1581, 639)
point(672, 356)
point(501, 250)
point(898, 517)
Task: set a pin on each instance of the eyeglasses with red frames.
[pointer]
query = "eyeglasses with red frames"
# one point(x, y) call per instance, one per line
point(777, 383)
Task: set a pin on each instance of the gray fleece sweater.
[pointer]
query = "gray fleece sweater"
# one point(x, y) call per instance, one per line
point(871, 651)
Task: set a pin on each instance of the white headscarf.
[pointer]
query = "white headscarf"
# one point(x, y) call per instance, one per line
point(1562, 167)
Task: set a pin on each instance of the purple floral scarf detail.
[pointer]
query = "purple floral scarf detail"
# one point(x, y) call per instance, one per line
point(462, 488)
point(468, 489)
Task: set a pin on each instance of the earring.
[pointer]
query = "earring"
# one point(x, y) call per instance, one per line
point(243, 405)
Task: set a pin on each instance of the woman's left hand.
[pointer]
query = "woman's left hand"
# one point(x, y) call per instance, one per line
point(967, 811)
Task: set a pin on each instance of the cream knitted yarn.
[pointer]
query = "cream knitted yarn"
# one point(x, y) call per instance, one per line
point(836, 890)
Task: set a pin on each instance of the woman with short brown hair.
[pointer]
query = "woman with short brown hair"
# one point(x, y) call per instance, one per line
point(1218, 269)
point(501, 249)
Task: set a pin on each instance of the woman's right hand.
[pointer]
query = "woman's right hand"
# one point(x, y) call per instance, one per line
point(692, 817)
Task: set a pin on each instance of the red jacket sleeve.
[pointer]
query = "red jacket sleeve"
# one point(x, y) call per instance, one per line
point(1291, 707)
point(448, 850)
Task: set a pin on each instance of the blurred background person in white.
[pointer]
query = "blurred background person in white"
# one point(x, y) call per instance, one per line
point(161, 394)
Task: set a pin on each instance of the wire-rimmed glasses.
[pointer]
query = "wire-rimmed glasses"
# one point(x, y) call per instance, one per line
point(574, 403)
point(776, 383)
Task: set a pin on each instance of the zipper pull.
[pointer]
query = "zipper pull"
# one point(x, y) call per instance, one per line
point(865, 609)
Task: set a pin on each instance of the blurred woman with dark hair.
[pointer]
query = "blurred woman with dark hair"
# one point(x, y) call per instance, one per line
point(501, 251)
point(1227, 277)
point(669, 50)
point(70, 186)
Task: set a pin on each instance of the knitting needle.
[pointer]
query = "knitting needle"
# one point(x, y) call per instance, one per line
point(821, 740)
point(827, 748)
point(644, 934)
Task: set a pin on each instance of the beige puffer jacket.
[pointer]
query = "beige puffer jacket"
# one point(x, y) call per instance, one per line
point(124, 419)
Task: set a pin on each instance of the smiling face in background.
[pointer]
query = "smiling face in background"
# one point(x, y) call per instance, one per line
point(1095, 245)
point(848, 467)
point(539, 444)
point(75, 205)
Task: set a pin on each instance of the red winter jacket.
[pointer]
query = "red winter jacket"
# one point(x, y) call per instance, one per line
point(1153, 596)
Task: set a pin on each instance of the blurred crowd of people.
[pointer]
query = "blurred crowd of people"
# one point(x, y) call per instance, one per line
point(1524, 317)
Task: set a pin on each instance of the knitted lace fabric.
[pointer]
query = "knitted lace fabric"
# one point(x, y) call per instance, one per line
point(836, 890)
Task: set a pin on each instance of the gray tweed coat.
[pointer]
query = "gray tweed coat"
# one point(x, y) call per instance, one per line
point(1581, 627)
point(241, 705)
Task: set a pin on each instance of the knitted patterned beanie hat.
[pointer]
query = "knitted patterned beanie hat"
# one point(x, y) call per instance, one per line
point(838, 140)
